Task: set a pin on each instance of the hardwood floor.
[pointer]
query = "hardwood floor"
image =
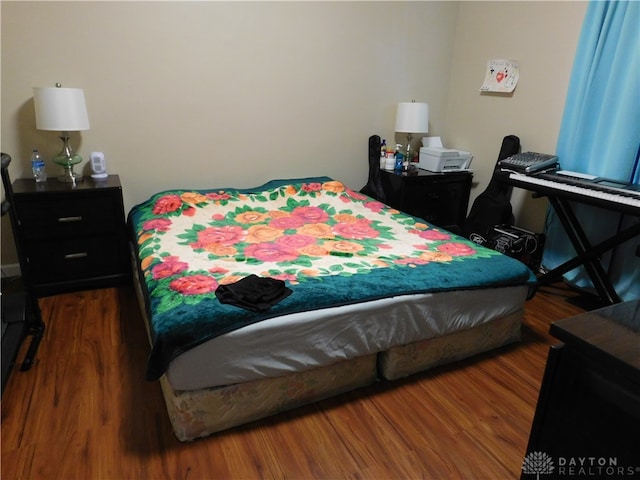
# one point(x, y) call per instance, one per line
point(84, 411)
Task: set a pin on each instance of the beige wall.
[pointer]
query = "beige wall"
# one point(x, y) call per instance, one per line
point(542, 36)
point(208, 94)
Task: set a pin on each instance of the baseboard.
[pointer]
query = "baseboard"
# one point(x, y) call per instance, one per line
point(10, 270)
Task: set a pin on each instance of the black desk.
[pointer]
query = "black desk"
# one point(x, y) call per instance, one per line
point(587, 254)
point(588, 412)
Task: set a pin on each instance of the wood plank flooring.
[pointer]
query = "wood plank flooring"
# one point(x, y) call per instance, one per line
point(84, 411)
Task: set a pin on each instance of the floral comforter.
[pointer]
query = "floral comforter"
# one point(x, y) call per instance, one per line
point(331, 245)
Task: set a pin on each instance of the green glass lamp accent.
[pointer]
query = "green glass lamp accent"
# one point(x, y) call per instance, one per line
point(67, 159)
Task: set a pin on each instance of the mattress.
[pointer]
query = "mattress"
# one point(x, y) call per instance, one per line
point(363, 277)
point(308, 340)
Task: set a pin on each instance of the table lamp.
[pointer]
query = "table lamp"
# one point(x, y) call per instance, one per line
point(412, 117)
point(64, 110)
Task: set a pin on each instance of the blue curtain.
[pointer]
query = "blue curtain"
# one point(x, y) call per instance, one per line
point(600, 135)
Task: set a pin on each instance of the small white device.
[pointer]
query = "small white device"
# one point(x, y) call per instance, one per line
point(438, 159)
point(98, 165)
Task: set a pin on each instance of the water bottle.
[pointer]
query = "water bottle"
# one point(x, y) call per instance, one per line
point(37, 166)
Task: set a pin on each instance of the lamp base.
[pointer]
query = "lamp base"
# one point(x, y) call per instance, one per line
point(67, 159)
point(69, 176)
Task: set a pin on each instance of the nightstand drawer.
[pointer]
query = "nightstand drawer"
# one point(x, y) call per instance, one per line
point(438, 198)
point(75, 258)
point(68, 217)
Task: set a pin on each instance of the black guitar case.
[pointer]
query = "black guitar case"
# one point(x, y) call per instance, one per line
point(373, 188)
point(493, 206)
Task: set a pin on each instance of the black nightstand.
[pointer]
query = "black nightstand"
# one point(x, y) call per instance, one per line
point(71, 238)
point(439, 198)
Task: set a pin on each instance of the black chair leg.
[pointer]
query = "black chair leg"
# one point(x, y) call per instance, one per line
point(35, 328)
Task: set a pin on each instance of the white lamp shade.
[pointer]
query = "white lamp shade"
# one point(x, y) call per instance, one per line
point(412, 117)
point(60, 109)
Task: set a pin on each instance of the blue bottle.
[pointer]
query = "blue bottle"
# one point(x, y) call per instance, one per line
point(399, 161)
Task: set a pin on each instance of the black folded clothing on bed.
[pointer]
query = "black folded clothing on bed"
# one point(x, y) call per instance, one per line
point(253, 293)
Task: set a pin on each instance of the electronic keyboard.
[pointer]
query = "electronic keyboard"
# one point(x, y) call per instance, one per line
point(563, 188)
point(597, 188)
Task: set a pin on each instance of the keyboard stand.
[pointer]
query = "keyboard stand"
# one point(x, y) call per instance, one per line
point(587, 254)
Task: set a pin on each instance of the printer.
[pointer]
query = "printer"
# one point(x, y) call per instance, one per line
point(440, 159)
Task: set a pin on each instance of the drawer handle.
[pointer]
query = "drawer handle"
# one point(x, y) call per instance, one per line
point(69, 219)
point(70, 256)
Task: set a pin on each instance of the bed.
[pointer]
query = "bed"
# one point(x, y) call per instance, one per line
point(356, 292)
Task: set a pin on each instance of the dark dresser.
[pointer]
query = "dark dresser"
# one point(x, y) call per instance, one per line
point(71, 237)
point(587, 421)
